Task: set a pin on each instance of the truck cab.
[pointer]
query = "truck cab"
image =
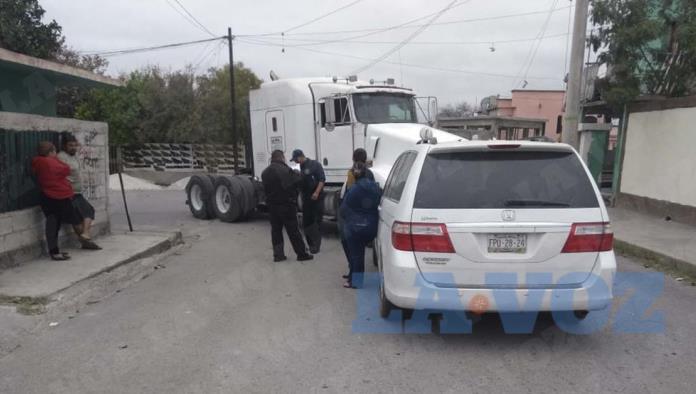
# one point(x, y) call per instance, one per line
point(329, 118)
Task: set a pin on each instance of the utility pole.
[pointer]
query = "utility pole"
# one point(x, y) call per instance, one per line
point(577, 50)
point(235, 136)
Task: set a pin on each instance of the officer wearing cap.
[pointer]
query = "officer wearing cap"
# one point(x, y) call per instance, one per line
point(280, 183)
point(313, 180)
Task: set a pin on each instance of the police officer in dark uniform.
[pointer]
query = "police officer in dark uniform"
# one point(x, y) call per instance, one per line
point(313, 180)
point(281, 183)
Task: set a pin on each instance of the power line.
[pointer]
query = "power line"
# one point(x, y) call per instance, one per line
point(432, 68)
point(407, 39)
point(375, 31)
point(538, 43)
point(186, 17)
point(146, 49)
point(194, 18)
point(529, 59)
point(488, 42)
point(322, 16)
point(409, 24)
point(209, 56)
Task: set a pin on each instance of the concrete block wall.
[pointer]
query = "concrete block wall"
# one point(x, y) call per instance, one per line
point(658, 175)
point(22, 232)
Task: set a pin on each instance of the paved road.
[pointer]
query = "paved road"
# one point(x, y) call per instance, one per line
point(222, 318)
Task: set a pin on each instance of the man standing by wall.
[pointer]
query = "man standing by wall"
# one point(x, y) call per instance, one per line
point(280, 183)
point(313, 180)
point(83, 208)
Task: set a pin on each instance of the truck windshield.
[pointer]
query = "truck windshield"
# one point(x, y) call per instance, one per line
point(384, 108)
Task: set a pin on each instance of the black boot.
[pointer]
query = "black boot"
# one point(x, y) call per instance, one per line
point(305, 257)
point(279, 253)
point(313, 234)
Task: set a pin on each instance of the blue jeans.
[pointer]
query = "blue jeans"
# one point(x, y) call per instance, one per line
point(356, 240)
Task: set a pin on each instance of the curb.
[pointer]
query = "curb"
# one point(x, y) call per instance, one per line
point(173, 239)
point(660, 261)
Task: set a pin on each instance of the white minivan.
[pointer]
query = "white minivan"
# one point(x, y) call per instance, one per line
point(500, 226)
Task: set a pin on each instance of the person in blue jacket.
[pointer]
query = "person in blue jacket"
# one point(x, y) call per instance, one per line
point(360, 217)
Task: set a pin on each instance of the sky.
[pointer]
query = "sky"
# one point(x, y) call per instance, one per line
point(450, 59)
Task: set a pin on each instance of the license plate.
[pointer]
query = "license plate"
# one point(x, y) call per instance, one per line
point(507, 243)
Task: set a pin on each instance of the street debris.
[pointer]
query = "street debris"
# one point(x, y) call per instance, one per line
point(123, 346)
point(53, 324)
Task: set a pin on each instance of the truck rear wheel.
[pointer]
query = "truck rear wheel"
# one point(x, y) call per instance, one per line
point(249, 201)
point(227, 199)
point(198, 197)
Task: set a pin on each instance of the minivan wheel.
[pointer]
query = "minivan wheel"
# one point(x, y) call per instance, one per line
point(580, 315)
point(385, 306)
point(374, 256)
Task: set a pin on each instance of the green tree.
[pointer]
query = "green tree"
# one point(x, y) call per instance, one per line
point(157, 106)
point(214, 107)
point(69, 97)
point(458, 110)
point(648, 45)
point(22, 29)
point(121, 108)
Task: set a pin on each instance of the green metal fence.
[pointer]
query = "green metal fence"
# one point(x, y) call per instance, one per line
point(18, 190)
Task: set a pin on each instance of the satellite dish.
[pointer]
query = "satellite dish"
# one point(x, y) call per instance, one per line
point(274, 76)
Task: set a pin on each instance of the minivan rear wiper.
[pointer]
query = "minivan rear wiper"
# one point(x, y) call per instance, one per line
point(535, 203)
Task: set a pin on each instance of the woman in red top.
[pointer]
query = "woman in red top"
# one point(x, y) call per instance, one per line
point(56, 195)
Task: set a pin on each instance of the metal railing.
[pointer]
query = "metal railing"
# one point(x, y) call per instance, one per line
point(18, 189)
point(176, 157)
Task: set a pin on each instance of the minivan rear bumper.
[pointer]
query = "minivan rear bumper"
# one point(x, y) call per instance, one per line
point(406, 288)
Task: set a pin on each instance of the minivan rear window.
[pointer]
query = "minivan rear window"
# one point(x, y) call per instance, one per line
point(507, 179)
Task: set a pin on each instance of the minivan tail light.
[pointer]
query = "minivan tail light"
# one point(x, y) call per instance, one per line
point(589, 237)
point(401, 236)
point(421, 237)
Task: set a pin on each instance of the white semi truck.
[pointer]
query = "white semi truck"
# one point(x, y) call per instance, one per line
point(327, 118)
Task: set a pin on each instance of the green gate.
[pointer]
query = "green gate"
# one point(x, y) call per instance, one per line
point(18, 190)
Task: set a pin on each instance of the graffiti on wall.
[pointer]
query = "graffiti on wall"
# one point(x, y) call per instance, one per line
point(90, 156)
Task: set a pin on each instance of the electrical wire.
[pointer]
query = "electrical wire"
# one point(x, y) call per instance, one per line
point(488, 42)
point(147, 49)
point(202, 26)
point(529, 59)
point(183, 15)
point(407, 25)
point(321, 17)
point(250, 41)
point(374, 31)
point(215, 48)
point(407, 39)
point(538, 43)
